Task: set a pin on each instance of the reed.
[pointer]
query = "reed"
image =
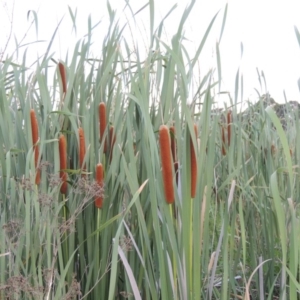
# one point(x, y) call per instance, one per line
point(63, 163)
point(166, 161)
point(35, 138)
point(112, 140)
point(194, 168)
point(99, 180)
point(102, 123)
point(173, 142)
point(229, 122)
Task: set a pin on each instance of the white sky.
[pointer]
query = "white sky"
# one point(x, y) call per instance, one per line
point(265, 27)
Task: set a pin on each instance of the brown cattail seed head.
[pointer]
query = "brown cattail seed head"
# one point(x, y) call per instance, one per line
point(62, 72)
point(166, 161)
point(81, 148)
point(63, 163)
point(102, 122)
point(223, 141)
point(99, 180)
point(35, 138)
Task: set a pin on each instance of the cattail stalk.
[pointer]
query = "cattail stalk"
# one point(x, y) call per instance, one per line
point(81, 148)
point(194, 168)
point(99, 180)
point(112, 140)
point(102, 122)
point(166, 161)
point(35, 138)
point(173, 150)
point(173, 142)
point(62, 72)
point(63, 163)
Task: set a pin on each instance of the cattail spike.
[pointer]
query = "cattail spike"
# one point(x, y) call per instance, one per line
point(62, 72)
point(223, 141)
point(35, 138)
point(102, 122)
point(63, 163)
point(99, 180)
point(194, 168)
point(166, 161)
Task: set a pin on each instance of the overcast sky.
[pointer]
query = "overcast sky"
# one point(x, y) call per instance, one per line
point(265, 27)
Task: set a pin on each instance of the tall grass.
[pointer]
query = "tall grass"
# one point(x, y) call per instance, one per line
point(233, 229)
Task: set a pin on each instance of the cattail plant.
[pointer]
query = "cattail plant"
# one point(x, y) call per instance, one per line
point(99, 180)
point(229, 121)
point(112, 140)
point(63, 163)
point(81, 148)
point(223, 141)
point(193, 164)
point(166, 161)
point(226, 143)
point(35, 138)
point(102, 122)
point(62, 72)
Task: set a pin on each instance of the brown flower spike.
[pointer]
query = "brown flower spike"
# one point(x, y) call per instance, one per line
point(166, 161)
point(35, 138)
point(63, 76)
point(81, 148)
point(99, 180)
point(102, 123)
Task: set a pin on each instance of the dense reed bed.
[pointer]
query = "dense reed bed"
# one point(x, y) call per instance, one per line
point(142, 195)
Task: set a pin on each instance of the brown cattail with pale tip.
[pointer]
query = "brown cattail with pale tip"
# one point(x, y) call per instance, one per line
point(102, 122)
point(193, 164)
point(62, 72)
point(63, 163)
point(99, 180)
point(81, 148)
point(166, 161)
point(35, 138)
